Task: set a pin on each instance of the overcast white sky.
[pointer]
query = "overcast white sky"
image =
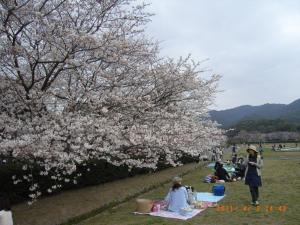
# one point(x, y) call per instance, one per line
point(253, 44)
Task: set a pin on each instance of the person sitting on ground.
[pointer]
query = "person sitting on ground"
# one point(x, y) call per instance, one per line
point(217, 164)
point(5, 211)
point(221, 173)
point(239, 170)
point(273, 147)
point(177, 197)
point(240, 160)
point(234, 159)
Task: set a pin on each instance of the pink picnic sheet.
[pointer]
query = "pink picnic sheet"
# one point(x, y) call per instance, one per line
point(174, 215)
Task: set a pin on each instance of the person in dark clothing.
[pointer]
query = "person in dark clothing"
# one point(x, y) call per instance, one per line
point(217, 164)
point(253, 164)
point(221, 173)
point(213, 157)
point(239, 170)
point(234, 159)
point(273, 147)
point(233, 149)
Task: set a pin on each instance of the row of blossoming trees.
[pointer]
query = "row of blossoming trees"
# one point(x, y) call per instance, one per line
point(79, 81)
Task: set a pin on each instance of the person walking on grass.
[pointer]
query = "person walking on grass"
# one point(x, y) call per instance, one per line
point(253, 164)
point(234, 149)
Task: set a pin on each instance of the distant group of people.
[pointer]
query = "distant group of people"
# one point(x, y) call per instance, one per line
point(235, 147)
point(279, 147)
point(217, 154)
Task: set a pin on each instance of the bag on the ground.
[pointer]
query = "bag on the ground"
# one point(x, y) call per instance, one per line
point(210, 179)
point(207, 179)
point(162, 204)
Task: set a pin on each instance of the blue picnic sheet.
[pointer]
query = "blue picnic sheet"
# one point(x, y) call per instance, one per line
point(208, 197)
point(211, 165)
point(228, 167)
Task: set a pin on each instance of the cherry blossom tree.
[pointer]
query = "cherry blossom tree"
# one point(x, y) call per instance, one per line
point(79, 80)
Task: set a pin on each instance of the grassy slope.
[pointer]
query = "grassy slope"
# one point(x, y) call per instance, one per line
point(86, 202)
point(280, 187)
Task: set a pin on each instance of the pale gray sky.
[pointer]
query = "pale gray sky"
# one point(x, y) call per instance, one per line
point(253, 44)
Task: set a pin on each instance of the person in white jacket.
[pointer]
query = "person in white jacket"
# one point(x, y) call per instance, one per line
point(5, 211)
point(177, 198)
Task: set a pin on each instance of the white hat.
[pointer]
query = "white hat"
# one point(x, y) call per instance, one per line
point(252, 147)
point(177, 179)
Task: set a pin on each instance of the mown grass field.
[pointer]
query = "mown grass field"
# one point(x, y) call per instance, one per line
point(279, 198)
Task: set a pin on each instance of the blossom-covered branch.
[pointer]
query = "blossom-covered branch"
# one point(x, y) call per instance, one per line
point(79, 81)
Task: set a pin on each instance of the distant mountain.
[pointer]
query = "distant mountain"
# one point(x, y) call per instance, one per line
point(230, 117)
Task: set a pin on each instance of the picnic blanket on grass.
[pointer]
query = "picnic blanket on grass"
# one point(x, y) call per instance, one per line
point(208, 197)
point(211, 165)
point(174, 215)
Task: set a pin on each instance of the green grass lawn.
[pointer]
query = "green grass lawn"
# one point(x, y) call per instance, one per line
point(280, 189)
